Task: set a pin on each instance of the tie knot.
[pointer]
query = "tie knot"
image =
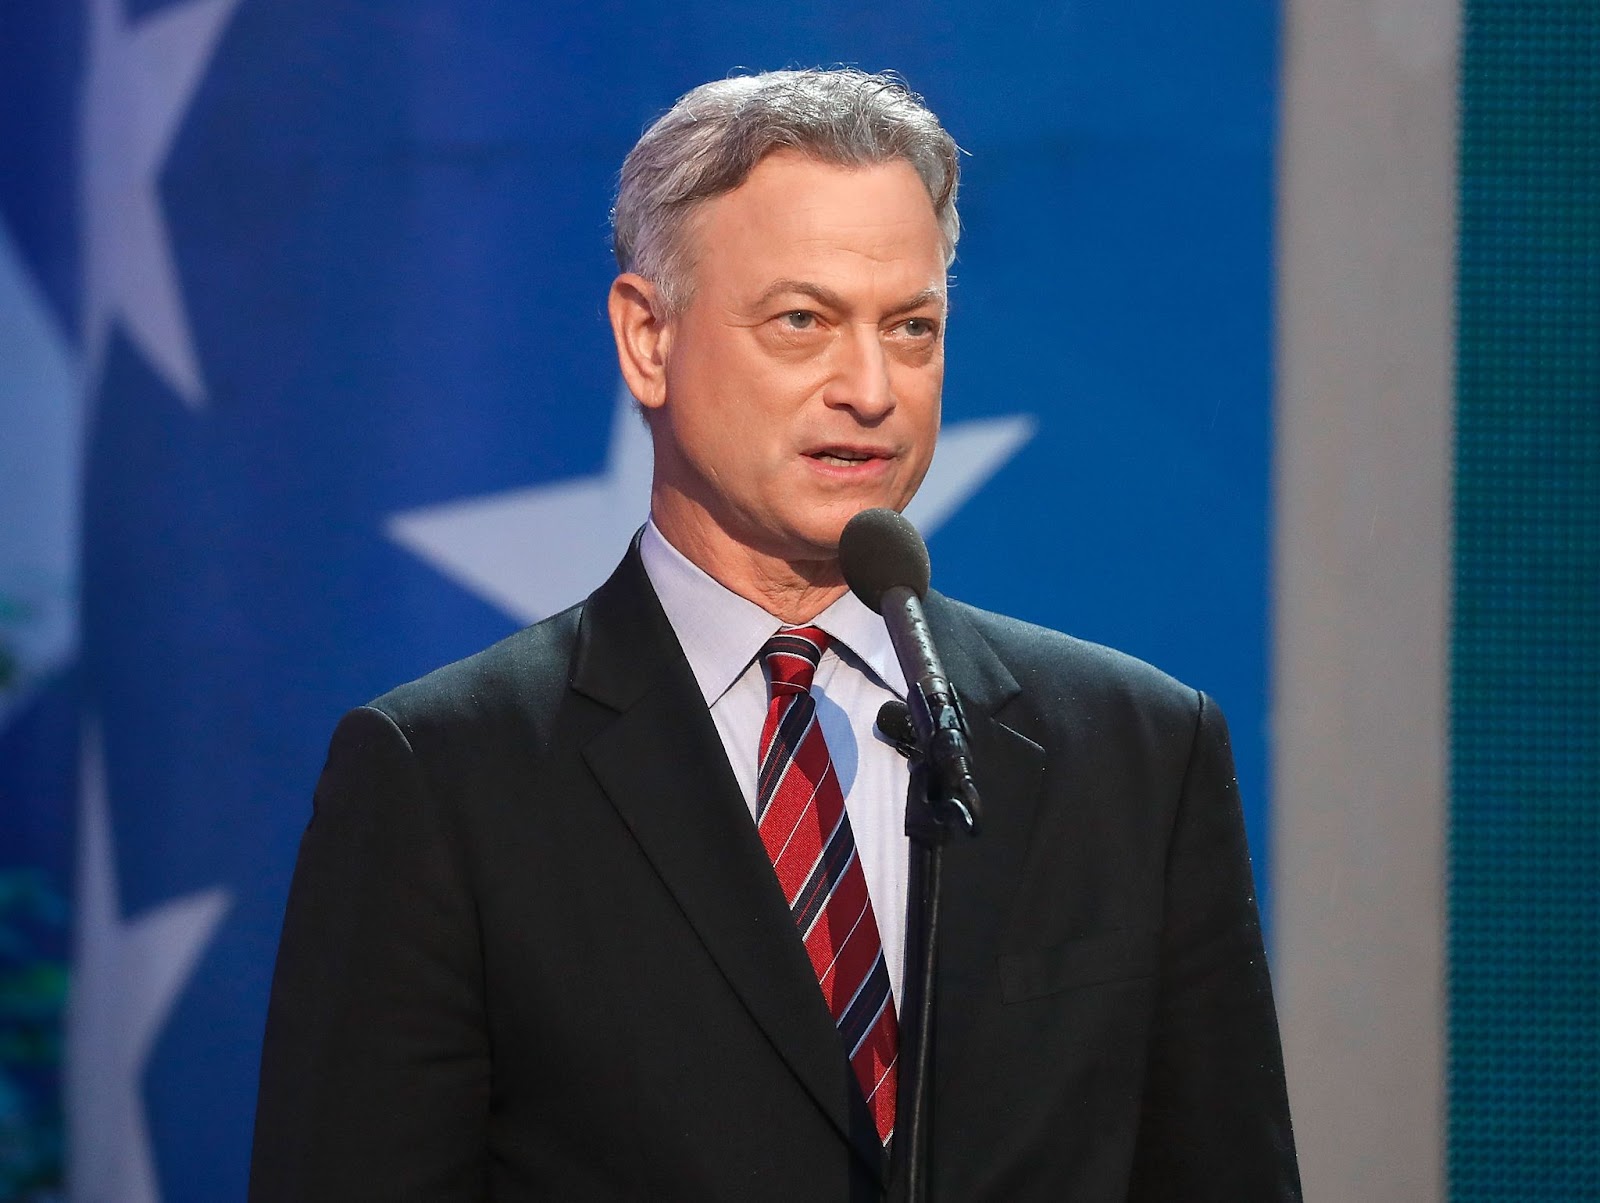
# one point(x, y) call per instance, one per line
point(792, 657)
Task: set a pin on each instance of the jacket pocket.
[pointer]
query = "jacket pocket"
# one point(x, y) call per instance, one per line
point(1092, 960)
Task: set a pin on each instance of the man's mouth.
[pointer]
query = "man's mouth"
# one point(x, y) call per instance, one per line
point(845, 457)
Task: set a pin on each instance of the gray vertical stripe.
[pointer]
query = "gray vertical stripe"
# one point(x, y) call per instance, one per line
point(1366, 243)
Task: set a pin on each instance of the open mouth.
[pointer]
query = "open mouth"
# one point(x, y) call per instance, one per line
point(844, 457)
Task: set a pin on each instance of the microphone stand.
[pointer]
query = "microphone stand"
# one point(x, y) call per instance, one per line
point(932, 814)
point(885, 562)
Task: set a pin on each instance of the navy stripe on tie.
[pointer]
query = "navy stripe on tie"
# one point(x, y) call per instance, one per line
point(836, 857)
point(786, 741)
point(788, 644)
point(863, 1010)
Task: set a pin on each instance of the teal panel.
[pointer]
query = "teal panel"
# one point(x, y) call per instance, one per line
point(1524, 1112)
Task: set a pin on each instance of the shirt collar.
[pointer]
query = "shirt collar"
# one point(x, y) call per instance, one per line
point(721, 632)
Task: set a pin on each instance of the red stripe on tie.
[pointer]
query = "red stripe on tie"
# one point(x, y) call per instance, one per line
point(802, 814)
point(881, 1102)
point(845, 914)
point(802, 809)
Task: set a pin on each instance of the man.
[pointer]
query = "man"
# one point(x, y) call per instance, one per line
point(615, 909)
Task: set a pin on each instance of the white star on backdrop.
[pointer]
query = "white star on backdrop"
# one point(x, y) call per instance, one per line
point(126, 976)
point(139, 82)
point(532, 552)
point(41, 483)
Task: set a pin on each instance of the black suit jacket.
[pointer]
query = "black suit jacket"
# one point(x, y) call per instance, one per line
point(534, 948)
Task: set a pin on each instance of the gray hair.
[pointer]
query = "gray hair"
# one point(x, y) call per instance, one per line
point(709, 142)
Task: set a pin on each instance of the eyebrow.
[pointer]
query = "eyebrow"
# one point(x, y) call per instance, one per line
point(827, 297)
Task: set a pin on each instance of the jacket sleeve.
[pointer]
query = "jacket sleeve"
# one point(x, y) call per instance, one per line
point(1215, 1117)
point(375, 1067)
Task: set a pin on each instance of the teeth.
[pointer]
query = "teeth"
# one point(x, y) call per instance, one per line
point(829, 457)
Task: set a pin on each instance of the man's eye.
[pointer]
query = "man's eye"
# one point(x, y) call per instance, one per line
point(919, 327)
point(800, 319)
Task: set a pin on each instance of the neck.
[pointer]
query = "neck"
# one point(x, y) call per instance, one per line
point(794, 591)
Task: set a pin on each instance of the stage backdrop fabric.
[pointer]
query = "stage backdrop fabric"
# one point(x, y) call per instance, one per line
point(312, 390)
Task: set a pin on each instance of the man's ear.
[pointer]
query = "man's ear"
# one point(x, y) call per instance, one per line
point(643, 336)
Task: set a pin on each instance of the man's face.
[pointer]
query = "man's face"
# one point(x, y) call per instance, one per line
point(802, 378)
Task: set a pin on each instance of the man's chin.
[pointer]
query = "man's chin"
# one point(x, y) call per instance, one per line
point(811, 539)
point(813, 553)
point(827, 533)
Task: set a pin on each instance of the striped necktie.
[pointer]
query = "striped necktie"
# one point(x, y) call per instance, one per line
point(801, 817)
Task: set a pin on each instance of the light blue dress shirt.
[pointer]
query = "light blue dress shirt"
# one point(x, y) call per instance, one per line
point(722, 635)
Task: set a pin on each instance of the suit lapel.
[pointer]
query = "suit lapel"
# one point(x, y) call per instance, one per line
point(663, 767)
point(980, 875)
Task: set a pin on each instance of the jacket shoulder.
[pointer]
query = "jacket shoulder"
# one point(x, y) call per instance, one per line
point(1063, 669)
point(528, 669)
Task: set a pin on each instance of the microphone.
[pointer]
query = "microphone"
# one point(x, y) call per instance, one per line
point(885, 563)
point(895, 725)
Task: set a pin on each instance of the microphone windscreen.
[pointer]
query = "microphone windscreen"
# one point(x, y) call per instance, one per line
point(895, 724)
point(880, 549)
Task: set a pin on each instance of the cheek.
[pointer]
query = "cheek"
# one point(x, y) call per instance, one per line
point(919, 393)
point(738, 389)
point(730, 439)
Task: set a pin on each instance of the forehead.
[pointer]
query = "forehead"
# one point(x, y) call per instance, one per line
point(798, 217)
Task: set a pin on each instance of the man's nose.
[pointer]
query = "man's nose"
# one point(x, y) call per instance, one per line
point(861, 377)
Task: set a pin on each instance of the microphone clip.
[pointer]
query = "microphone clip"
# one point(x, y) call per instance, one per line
point(941, 765)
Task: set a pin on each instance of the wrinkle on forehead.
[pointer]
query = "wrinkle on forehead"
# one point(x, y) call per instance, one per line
point(797, 218)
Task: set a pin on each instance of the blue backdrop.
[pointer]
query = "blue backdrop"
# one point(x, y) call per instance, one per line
point(322, 274)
